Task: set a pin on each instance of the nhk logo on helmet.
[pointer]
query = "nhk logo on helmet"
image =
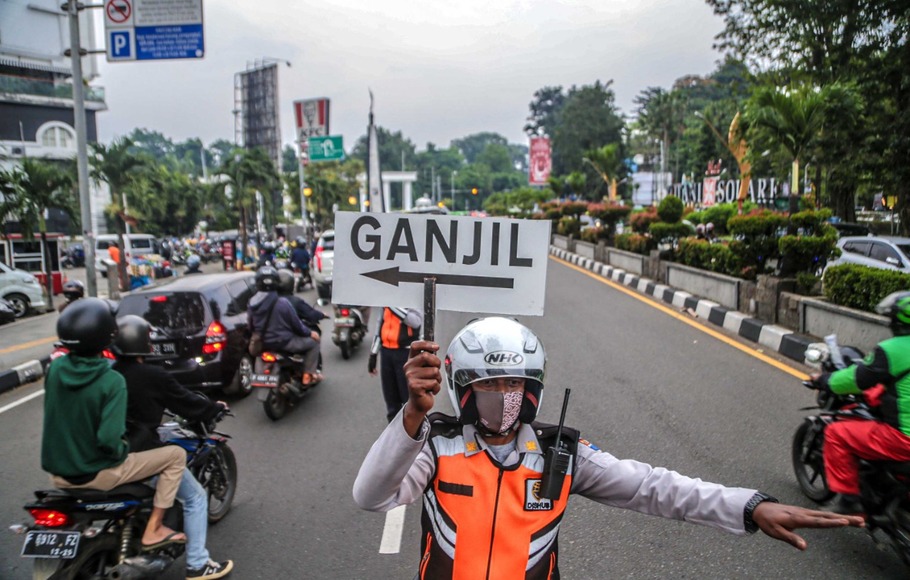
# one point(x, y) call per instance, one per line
point(503, 358)
point(533, 501)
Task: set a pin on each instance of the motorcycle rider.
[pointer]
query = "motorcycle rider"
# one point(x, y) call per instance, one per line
point(280, 326)
point(72, 290)
point(397, 329)
point(846, 442)
point(83, 444)
point(151, 390)
point(193, 264)
point(489, 459)
point(309, 315)
point(267, 255)
point(300, 258)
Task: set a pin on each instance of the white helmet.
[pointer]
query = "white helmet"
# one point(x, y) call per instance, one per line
point(494, 347)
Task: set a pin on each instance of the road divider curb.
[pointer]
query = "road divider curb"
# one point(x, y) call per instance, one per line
point(19, 375)
point(777, 338)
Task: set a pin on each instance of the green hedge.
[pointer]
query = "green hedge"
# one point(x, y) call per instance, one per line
point(638, 243)
point(670, 209)
point(669, 233)
point(707, 256)
point(862, 287)
point(568, 226)
point(642, 220)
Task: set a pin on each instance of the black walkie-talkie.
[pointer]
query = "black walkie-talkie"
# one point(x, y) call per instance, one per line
point(556, 464)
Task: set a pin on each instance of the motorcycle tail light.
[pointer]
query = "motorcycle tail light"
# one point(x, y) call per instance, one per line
point(106, 353)
point(215, 338)
point(49, 518)
point(269, 357)
point(345, 312)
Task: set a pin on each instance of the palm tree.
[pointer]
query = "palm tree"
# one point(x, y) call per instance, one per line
point(117, 165)
point(607, 162)
point(576, 182)
point(794, 118)
point(27, 192)
point(738, 147)
point(661, 115)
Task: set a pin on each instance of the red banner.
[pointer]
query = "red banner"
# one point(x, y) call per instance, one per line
point(540, 162)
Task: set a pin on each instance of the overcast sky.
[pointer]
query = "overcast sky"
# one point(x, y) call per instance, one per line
point(439, 69)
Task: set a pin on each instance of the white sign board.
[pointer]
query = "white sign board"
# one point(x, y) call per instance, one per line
point(493, 265)
point(153, 29)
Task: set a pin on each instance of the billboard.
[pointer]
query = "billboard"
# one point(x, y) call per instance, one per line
point(258, 93)
point(311, 118)
point(540, 162)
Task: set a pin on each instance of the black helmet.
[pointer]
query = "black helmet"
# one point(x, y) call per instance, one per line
point(300, 241)
point(267, 279)
point(285, 282)
point(132, 336)
point(87, 326)
point(73, 290)
point(896, 306)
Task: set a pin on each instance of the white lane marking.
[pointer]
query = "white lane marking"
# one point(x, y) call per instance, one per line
point(22, 400)
point(391, 533)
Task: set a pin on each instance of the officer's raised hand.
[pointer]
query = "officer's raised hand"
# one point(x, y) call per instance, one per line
point(424, 382)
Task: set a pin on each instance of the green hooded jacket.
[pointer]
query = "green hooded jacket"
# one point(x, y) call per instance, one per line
point(84, 417)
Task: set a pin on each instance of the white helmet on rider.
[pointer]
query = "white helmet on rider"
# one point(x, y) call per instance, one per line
point(494, 347)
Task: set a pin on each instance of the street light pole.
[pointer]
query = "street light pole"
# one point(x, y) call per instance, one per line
point(72, 9)
point(452, 187)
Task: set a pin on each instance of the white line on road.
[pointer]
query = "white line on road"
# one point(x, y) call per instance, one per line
point(22, 400)
point(391, 533)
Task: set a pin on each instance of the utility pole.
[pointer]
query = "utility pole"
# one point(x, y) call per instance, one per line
point(72, 8)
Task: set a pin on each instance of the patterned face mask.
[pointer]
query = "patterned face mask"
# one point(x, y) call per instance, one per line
point(498, 412)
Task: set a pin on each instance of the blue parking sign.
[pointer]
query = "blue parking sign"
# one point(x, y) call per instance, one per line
point(120, 45)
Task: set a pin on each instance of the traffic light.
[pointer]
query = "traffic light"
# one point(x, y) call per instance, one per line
point(473, 191)
point(307, 191)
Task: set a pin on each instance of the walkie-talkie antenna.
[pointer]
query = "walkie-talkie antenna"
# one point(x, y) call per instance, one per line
point(562, 416)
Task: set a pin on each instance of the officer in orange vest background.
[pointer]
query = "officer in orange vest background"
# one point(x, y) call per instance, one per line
point(397, 329)
point(495, 483)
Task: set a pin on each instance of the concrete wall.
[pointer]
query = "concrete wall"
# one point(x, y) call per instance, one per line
point(854, 327)
point(585, 249)
point(722, 289)
point(561, 242)
point(628, 261)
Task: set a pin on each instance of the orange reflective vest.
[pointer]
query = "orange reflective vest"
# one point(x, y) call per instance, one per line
point(483, 520)
point(394, 332)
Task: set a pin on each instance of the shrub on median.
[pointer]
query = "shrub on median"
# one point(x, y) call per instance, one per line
point(861, 287)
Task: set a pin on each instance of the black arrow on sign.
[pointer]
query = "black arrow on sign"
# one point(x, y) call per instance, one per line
point(394, 277)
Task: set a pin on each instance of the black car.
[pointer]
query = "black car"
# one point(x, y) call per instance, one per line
point(200, 330)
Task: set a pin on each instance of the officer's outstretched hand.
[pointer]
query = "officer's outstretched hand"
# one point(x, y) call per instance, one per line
point(779, 520)
point(424, 381)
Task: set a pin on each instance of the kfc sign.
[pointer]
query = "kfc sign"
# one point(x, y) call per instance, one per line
point(540, 162)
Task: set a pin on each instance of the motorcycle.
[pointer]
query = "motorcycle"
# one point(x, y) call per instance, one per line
point(84, 533)
point(208, 458)
point(884, 485)
point(278, 380)
point(350, 328)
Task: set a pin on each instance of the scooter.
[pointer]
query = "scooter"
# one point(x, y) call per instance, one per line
point(350, 328)
point(277, 378)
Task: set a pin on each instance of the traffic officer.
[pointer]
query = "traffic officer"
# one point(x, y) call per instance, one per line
point(481, 473)
point(397, 329)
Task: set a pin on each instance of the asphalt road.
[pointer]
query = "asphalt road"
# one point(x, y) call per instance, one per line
point(644, 385)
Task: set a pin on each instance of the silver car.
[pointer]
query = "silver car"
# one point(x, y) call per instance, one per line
point(877, 252)
point(323, 260)
point(21, 290)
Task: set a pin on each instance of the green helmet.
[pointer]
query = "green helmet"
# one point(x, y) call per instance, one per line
point(896, 306)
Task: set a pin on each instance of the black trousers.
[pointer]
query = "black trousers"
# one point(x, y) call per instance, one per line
point(394, 383)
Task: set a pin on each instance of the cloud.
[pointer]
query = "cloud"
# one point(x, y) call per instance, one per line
point(440, 70)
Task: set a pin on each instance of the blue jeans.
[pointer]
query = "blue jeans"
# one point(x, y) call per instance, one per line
point(195, 518)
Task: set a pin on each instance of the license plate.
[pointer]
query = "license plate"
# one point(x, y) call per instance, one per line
point(43, 544)
point(344, 322)
point(258, 380)
point(163, 348)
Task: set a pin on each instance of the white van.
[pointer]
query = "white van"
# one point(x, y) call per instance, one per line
point(136, 245)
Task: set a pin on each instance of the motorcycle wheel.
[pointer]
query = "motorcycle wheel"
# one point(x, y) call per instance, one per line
point(808, 463)
point(346, 349)
point(221, 482)
point(95, 559)
point(275, 405)
point(240, 384)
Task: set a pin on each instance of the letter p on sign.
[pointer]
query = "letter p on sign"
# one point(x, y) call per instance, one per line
point(120, 45)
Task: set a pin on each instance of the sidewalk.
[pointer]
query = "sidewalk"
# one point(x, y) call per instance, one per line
point(777, 338)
